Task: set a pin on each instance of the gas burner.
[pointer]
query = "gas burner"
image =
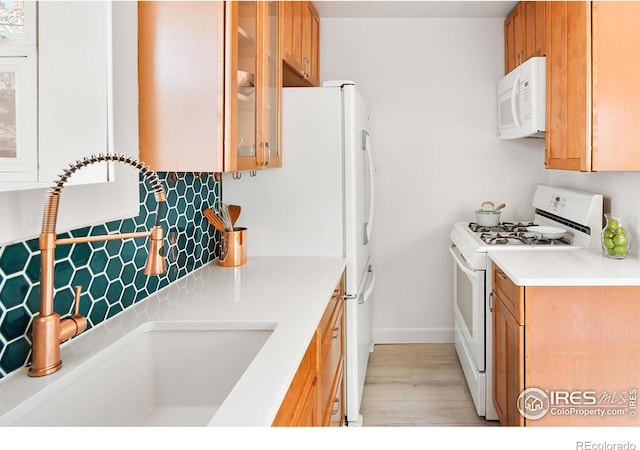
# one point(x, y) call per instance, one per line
point(518, 238)
point(508, 227)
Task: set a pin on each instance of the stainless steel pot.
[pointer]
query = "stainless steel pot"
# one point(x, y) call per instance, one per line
point(488, 215)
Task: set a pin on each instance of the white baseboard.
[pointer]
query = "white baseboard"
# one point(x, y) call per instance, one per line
point(412, 335)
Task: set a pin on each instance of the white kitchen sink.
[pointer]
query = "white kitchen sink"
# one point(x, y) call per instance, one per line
point(161, 374)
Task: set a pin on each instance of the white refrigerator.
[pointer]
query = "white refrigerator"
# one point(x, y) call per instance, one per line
point(320, 203)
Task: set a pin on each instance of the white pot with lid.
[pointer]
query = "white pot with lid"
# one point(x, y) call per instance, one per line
point(488, 215)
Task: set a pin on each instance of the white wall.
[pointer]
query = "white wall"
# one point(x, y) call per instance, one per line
point(431, 89)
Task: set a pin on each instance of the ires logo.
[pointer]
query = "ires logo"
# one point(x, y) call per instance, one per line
point(573, 398)
point(534, 403)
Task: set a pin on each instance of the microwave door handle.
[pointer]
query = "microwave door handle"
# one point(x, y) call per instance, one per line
point(514, 113)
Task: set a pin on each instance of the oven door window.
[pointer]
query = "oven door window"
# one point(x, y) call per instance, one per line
point(469, 287)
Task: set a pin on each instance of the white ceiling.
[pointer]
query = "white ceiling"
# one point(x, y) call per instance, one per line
point(413, 9)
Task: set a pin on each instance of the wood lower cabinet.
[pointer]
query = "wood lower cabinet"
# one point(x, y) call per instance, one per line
point(508, 348)
point(593, 96)
point(299, 407)
point(576, 344)
point(316, 394)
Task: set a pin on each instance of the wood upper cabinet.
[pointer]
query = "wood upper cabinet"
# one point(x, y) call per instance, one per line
point(573, 339)
point(513, 39)
point(191, 119)
point(252, 110)
point(524, 34)
point(593, 97)
point(300, 44)
point(316, 394)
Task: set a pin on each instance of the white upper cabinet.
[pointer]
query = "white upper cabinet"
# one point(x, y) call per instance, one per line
point(74, 87)
point(18, 92)
point(87, 75)
point(56, 93)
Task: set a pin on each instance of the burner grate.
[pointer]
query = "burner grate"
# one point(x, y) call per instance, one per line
point(508, 227)
point(519, 238)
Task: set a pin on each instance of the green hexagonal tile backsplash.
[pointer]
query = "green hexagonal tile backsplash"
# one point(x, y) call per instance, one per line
point(110, 273)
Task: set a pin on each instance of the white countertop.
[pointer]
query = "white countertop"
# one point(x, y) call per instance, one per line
point(292, 293)
point(580, 267)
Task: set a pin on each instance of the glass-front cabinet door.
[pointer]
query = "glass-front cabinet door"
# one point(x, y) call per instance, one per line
point(252, 124)
point(269, 108)
point(241, 98)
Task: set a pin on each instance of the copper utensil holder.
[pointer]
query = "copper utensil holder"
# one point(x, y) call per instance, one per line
point(233, 248)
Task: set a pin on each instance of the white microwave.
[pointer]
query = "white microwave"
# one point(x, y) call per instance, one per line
point(521, 101)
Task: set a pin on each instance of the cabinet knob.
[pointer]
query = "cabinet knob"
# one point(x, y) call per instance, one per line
point(336, 332)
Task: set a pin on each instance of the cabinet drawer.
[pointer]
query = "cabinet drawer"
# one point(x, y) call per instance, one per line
point(304, 380)
point(331, 312)
point(511, 294)
point(331, 363)
point(337, 413)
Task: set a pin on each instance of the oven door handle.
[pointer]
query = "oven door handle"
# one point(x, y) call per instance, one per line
point(471, 273)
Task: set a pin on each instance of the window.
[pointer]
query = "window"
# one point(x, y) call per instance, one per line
point(18, 91)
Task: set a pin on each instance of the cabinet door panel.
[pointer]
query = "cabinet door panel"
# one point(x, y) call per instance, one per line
point(584, 338)
point(337, 413)
point(508, 361)
point(297, 402)
point(514, 39)
point(181, 108)
point(314, 55)
point(616, 109)
point(74, 88)
point(269, 101)
point(291, 34)
point(534, 19)
point(568, 117)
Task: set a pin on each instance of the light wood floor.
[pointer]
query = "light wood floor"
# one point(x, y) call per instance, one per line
point(417, 385)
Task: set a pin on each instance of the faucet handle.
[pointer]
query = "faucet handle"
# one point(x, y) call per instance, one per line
point(76, 301)
point(79, 320)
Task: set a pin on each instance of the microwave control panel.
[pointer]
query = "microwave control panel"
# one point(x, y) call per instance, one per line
point(525, 99)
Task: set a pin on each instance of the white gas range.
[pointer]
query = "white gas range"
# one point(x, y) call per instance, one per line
point(578, 212)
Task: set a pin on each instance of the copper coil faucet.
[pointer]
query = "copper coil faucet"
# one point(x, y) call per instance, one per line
point(49, 330)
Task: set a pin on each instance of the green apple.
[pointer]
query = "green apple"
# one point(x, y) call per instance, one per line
point(620, 250)
point(608, 243)
point(608, 234)
point(612, 224)
point(621, 231)
point(620, 240)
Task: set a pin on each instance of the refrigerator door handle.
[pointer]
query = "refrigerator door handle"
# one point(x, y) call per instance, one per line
point(369, 284)
point(369, 222)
